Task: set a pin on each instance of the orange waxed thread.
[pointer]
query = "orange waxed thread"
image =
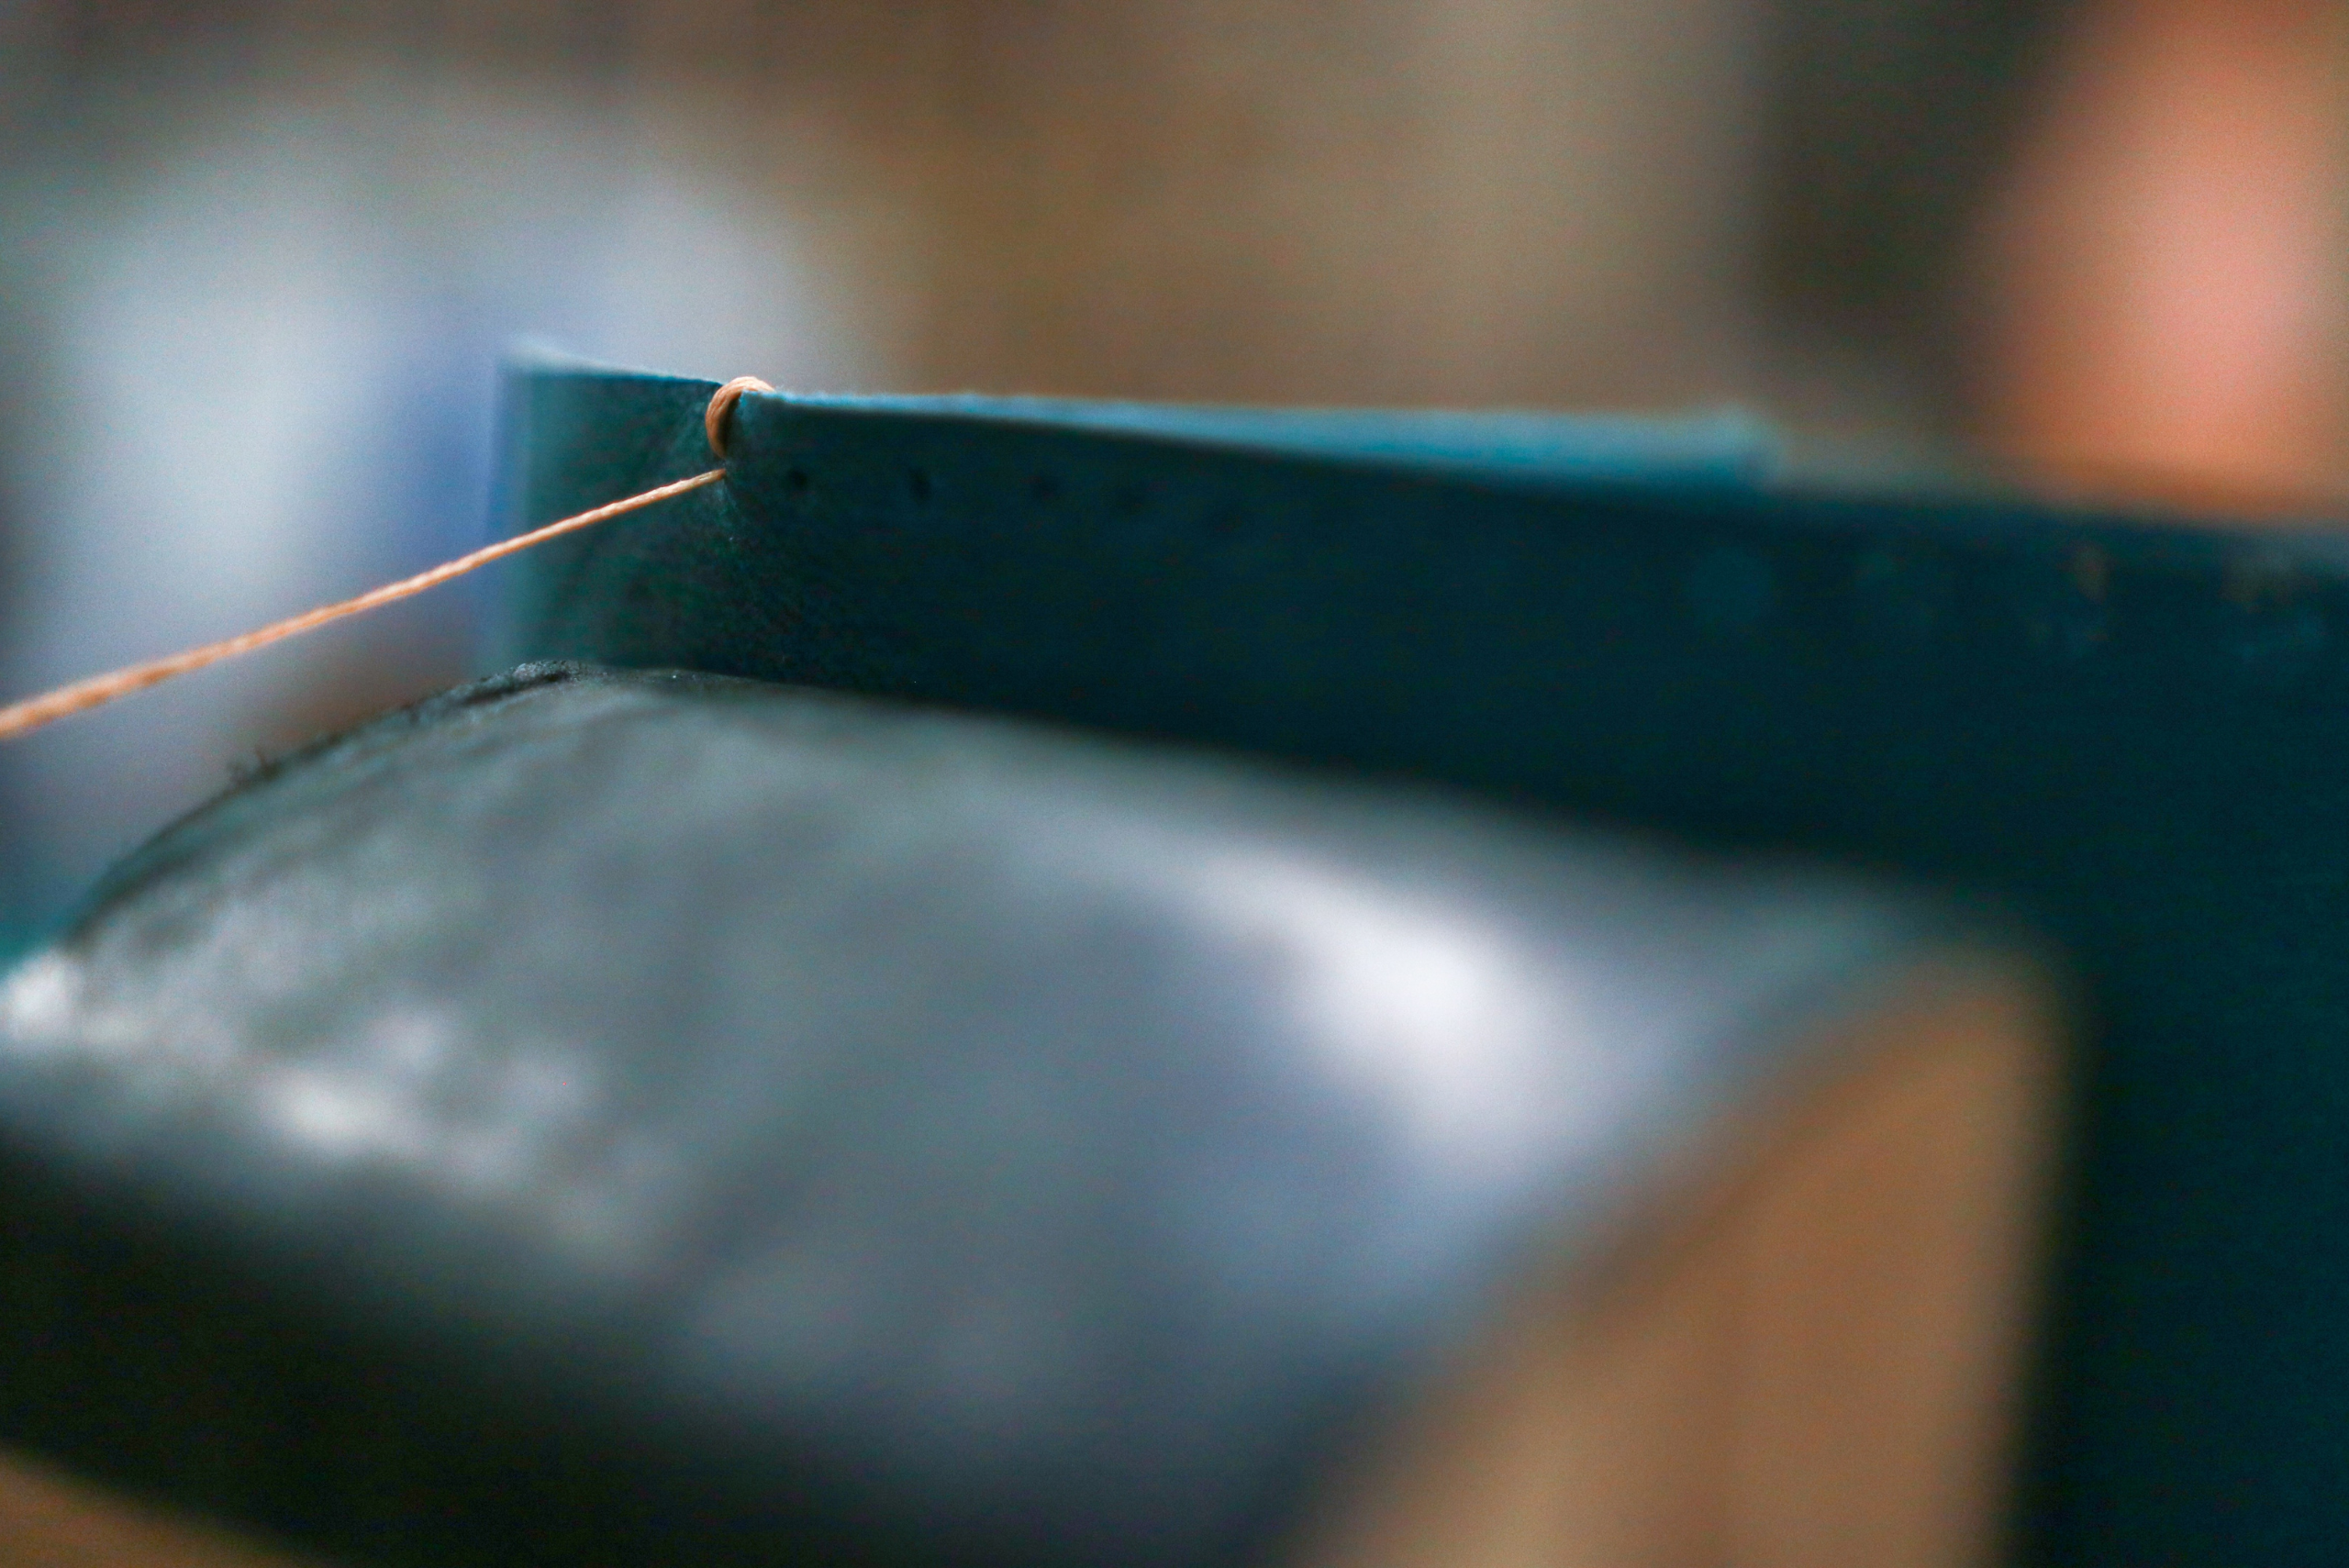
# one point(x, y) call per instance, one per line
point(23, 717)
point(716, 420)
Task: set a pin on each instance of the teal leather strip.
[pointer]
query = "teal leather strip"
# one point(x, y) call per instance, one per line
point(2134, 732)
point(1724, 447)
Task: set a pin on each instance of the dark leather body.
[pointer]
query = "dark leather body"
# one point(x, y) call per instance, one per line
point(2135, 729)
point(662, 1119)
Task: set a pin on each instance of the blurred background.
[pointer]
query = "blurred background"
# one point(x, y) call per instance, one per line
point(259, 260)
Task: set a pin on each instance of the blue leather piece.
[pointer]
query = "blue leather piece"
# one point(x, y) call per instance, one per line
point(1725, 447)
point(658, 1120)
point(2136, 728)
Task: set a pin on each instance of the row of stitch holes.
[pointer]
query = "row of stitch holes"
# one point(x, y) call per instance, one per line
point(1043, 489)
point(1731, 590)
point(1900, 599)
point(2272, 637)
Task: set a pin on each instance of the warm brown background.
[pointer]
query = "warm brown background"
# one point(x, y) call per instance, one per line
point(2003, 220)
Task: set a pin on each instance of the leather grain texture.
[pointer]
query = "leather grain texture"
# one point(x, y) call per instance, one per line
point(653, 1118)
point(2136, 729)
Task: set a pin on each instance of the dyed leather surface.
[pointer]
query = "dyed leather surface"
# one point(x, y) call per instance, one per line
point(2135, 729)
point(657, 1119)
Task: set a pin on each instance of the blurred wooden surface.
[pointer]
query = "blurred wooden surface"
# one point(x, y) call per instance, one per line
point(1812, 1361)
